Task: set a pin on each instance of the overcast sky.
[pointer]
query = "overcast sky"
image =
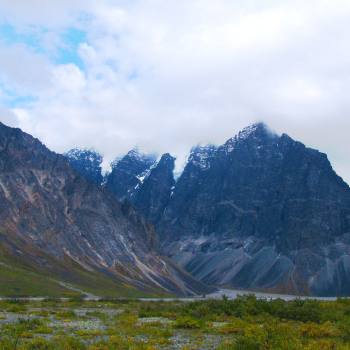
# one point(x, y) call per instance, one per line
point(166, 75)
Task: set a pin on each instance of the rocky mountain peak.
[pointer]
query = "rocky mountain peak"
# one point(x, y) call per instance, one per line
point(87, 162)
point(128, 172)
point(260, 212)
point(53, 220)
point(255, 130)
point(167, 158)
point(256, 134)
point(14, 141)
point(136, 157)
point(267, 213)
point(200, 156)
point(154, 193)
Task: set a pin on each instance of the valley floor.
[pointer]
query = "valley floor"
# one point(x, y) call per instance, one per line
point(245, 322)
point(219, 294)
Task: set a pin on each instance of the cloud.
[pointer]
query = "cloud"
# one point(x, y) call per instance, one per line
point(9, 118)
point(54, 14)
point(165, 76)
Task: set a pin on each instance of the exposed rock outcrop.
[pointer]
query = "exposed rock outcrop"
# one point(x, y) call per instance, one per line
point(261, 212)
point(46, 206)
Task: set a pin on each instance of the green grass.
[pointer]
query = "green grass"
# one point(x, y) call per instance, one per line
point(242, 324)
point(16, 282)
point(20, 282)
point(25, 277)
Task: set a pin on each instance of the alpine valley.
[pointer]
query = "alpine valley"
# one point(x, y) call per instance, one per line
point(62, 233)
point(261, 212)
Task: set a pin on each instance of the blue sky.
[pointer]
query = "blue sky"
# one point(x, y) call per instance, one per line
point(12, 99)
point(66, 52)
point(72, 38)
point(10, 35)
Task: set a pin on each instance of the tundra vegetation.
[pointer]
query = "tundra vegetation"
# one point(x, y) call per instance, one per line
point(243, 323)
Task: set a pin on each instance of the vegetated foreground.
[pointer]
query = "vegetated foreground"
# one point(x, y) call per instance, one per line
point(243, 323)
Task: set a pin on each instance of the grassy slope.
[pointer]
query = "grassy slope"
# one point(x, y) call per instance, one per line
point(24, 277)
point(16, 282)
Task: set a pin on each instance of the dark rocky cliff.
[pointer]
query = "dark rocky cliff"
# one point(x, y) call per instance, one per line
point(128, 172)
point(87, 163)
point(155, 190)
point(46, 206)
point(260, 212)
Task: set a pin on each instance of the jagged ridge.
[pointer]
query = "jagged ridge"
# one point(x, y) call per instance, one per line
point(260, 212)
point(50, 214)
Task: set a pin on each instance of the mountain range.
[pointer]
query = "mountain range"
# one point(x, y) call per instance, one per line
point(261, 212)
point(58, 222)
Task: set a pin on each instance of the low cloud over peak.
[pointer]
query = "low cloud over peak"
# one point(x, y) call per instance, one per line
point(117, 74)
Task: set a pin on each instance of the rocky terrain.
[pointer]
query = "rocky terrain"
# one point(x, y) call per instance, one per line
point(55, 221)
point(152, 196)
point(128, 173)
point(261, 212)
point(87, 163)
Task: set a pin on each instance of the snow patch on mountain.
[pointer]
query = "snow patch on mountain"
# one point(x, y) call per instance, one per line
point(86, 162)
point(251, 131)
point(200, 156)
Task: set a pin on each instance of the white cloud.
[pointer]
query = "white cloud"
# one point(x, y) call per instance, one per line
point(53, 13)
point(8, 117)
point(165, 75)
point(23, 70)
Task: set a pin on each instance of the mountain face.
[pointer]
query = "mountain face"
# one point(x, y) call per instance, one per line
point(128, 173)
point(87, 163)
point(261, 212)
point(54, 220)
point(153, 194)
